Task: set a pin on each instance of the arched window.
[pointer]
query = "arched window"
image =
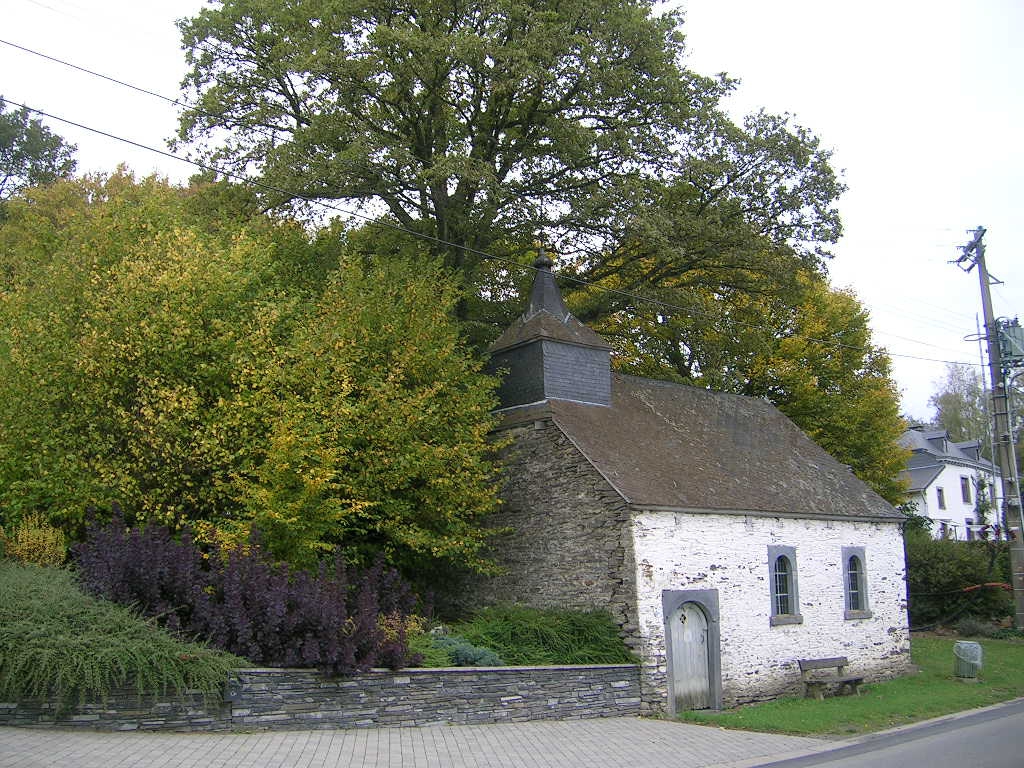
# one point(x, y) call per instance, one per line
point(855, 584)
point(782, 580)
point(783, 585)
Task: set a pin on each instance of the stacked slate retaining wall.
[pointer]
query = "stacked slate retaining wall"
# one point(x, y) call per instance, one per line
point(300, 699)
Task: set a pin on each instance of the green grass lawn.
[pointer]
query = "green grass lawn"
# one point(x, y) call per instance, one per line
point(930, 693)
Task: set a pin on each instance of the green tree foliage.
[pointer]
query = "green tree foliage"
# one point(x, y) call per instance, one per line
point(939, 570)
point(961, 403)
point(379, 434)
point(29, 153)
point(481, 123)
point(162, 349)
point(463, 117)
point(837, 386)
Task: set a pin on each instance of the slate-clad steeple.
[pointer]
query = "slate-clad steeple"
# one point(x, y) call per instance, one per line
point(548, 353)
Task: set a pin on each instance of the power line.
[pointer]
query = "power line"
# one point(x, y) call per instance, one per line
point(109, 78)
point(914, 341)
point(439, 241)
point(55, 60)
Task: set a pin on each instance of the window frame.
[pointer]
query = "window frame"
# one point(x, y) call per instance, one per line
point(965, 489)
point(940, 496)
point(864, 611)
point(777, 618)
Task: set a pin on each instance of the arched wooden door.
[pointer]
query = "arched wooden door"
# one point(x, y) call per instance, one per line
point(690, 660)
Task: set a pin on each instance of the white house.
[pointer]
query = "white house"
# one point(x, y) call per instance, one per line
point(944, 479)
point(726, 544)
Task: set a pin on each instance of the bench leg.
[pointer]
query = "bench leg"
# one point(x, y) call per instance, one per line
point(814, 690)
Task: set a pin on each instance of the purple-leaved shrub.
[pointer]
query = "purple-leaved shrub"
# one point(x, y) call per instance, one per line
point(337, 619)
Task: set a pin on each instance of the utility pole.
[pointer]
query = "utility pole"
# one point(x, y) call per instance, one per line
point(974, 255)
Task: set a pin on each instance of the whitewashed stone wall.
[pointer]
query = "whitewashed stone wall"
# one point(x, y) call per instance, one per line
point(729, 553)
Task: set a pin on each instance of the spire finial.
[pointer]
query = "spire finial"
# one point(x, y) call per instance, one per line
point(543, 261)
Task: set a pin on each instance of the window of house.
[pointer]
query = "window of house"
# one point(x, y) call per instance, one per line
point(855, 583)
point(965, 489)
point(783, 581)
point(941, 496)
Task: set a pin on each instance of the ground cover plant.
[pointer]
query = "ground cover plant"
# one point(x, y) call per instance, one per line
point(520, 636)
point(334, 618)
point(934, 691)
point(55, 640)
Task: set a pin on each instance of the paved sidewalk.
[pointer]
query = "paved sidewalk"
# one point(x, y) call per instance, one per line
point(602, 743)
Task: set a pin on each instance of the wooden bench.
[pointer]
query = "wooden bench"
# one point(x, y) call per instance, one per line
point(815, 683)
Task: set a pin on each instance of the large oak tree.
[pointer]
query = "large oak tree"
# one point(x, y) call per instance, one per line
point(482, 123)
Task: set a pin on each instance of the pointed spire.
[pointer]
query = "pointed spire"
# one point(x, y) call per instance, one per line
point(545, 295)
point(549, 354)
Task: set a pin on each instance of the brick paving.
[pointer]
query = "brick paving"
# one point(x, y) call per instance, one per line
point(600, 743)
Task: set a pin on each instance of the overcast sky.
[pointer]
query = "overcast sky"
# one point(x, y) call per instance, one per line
point(921, 103)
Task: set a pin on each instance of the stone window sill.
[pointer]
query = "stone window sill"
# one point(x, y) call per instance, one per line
point(786, 618)
point(851, 615)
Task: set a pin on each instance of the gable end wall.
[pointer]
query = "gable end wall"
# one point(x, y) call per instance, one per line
point(571, 545)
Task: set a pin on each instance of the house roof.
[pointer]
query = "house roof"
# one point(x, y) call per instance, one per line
point(934, 446)
point(667, 445)
point(919, 478)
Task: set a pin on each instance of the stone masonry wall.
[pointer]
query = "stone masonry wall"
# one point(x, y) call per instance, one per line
point(300, 699)
point(570, 545)
point(729, 553)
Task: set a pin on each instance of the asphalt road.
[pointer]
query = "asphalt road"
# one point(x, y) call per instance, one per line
point(991, 738)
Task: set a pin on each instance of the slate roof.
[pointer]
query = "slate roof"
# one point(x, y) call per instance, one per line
point(667, 445)
point(547, 317)
point(931, 450)
point(919, 478)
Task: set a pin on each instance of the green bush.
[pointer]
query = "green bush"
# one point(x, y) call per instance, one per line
point(56, 641)
point(428, 653)
point(1009, 633)
point(34, 541)
point(531, 637)
point(463, 653)
point(436, 650)
point(972, 627)
point(938, 570)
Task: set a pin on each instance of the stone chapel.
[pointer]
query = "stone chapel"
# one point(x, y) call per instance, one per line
point(726, 544)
